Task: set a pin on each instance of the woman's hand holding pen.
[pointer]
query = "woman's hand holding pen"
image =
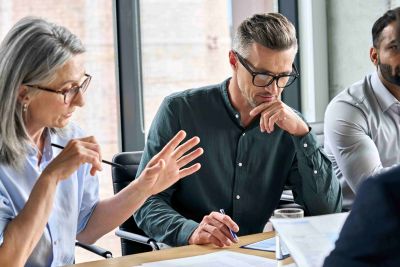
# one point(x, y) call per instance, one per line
point(214, 228)
point(76, 153)
point(167, 167)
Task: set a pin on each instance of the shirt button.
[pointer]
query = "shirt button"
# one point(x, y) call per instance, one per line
point(55, 242)
point(315, 172)
point(240, 164)
point(243, 134)
point(237, 197)
point(237, 116)
point(305, 145)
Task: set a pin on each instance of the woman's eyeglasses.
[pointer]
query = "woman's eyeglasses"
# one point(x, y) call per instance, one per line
point(69, 94)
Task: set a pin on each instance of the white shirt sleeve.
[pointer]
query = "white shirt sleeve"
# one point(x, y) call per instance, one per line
point(347, 138)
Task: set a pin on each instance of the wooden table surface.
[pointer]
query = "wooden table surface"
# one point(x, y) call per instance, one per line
point(186, 251)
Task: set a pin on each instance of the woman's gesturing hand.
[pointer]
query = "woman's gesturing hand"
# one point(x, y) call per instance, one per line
point(167, 167)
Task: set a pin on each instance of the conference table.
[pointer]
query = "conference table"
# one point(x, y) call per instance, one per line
point(186, 251)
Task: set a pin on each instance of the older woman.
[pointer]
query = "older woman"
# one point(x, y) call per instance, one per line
point(49, 197)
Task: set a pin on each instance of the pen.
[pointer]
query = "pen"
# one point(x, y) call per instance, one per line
point(105, 161)
point(232, 232)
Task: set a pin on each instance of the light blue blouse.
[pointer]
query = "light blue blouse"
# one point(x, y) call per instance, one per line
point(74, 202)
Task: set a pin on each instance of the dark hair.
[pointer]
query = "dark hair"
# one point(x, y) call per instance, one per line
point(382, 22)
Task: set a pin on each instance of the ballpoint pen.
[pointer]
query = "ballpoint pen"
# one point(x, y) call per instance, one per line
point(104, 161)
point(222, 211)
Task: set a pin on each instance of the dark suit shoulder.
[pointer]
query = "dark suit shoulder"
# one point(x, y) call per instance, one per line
point(370, 235)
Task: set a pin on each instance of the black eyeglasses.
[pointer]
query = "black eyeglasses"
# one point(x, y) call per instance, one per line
point(264, 79)
point(69, 94)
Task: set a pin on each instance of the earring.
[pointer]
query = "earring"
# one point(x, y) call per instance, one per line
point(25, 107)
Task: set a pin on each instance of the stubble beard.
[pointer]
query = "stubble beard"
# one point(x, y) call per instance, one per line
point(252, 103)
point(387, 73)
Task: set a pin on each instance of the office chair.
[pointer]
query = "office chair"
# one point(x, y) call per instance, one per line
point(95, 249)
point(133, 239)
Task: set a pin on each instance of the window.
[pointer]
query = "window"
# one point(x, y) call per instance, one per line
point(185, 44)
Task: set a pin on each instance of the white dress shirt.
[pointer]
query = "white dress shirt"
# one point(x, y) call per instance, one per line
point(362, 133)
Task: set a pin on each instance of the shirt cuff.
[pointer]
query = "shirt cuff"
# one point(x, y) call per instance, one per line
point(306, 144)
point(187, 229)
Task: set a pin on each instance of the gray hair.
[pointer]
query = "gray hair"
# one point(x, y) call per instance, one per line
point(31, 53)
point(271, 30)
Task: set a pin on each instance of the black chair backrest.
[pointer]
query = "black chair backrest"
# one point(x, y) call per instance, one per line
point(121, 178)
point(318, 130)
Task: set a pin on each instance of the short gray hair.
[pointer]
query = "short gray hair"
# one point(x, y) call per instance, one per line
point(32, 51)
point(271, 30)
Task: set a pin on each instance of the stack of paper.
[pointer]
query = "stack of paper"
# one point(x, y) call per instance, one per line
point(310, 239)
point(217, 259)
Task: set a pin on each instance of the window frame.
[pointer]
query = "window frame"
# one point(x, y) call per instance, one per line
point(129, 70)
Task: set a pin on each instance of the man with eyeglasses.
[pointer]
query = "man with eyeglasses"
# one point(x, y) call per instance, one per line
point(254, 146)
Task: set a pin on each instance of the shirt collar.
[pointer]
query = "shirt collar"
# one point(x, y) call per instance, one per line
point(225, 96)
point(231, 109)
point(235, 115)
point(382, 94)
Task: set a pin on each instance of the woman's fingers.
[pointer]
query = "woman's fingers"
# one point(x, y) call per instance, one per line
point(80, 151)
point(190, 170)
point(85, 150)
point(90, 142)
point(92, 157)
point(173, 151)
point(174, 142)
point(185, 147)
point(189, 157)
point(169, 148)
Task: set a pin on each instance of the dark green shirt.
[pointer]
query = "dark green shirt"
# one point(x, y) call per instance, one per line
point(243, 170)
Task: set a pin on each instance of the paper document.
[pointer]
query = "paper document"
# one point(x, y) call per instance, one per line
point(217, 259)
point(310, 239)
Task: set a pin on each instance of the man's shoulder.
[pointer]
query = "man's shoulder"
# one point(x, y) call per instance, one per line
point(380, 189)
point(194, 94)
point(356, 93)
point(357, 96)
point(376, 203)
point(388, 179)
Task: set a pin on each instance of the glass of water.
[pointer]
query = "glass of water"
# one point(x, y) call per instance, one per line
point(280, 214)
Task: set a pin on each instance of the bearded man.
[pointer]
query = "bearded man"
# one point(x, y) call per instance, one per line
point(362, 129)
